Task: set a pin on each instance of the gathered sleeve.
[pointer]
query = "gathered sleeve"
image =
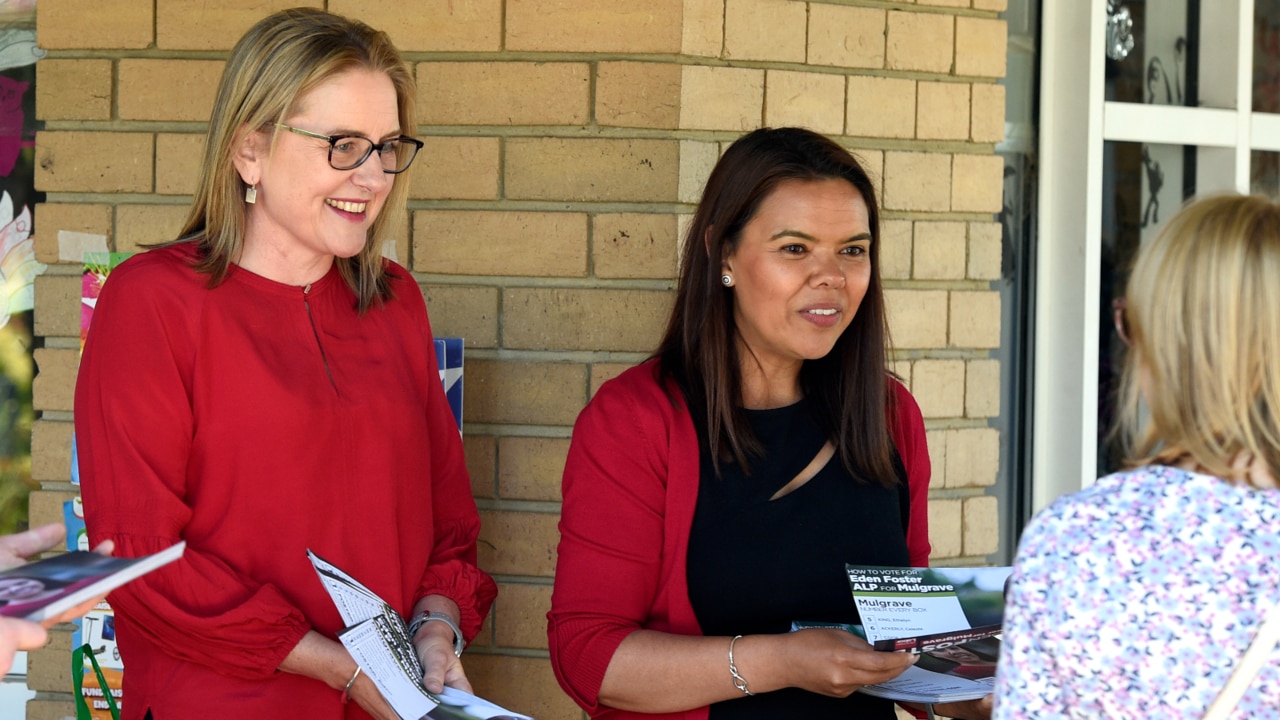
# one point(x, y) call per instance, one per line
point(612, 537)
point(909, 438)
point(453, 570)
point(134, 429)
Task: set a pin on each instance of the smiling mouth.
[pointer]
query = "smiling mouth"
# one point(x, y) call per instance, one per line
point(351, 207)
point(825, 311)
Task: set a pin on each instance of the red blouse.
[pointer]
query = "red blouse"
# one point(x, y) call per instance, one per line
point(256, 420)
point(630, 489)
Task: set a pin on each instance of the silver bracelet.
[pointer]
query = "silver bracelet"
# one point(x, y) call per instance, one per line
point(738, 681)
point(423, 618)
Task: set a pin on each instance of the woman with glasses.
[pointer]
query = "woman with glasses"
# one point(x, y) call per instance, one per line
point(266, 384)
point(1136, 597)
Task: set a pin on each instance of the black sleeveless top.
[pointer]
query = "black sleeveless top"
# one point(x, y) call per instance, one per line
point(756, 565)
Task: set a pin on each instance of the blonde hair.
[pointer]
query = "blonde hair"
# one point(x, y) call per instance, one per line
point(280, 59)
point(1204, 321)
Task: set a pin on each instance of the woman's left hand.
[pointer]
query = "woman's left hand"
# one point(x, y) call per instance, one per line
point(434, 645)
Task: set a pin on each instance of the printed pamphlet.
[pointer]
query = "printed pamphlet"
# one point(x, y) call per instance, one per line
point(47, 588)
point(951, 617)
point(378, 639)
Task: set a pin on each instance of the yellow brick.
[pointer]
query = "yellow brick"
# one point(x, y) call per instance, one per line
point(764, 30)
point(697, 160)
point(982, 388)
point(973, 457)
point(202, 25)
point(981, 526)
point(595, 320)
point(703, 32)
point(942, 111)
point(468, 312)
point(178, 162)
point(944, 3)
point(846, 36)
point(503, 93)
point(524, 393)
point(51, 449)
point(168, 89)
point(431, 25)
point(93, 162)
point(982, 47)
point(936, 441)
point(987, 116)
point(881, 107)
point(634, 245)
point(481, 452)
point(872, 162)
point(811, 100)
point(57, 305)
point(917, 181)
point(456, 168)
point(73, 89)
point(917, 318)
point(520, 616)
point(141, 225)
point(986, 251)
point(997, 5)
point(38, 709)
point(975, 319)
point(484, 638)
point(620, 26)
point(631, 94)
point(945, 523)
point(396, 244)
point(481, 242)
point(938, 385)
point(977, 183)
point(114, 24)
point(52, 218)
point(45, 506)
point(49, 668)
point(55, 382)
point(939, 251)
point(895, 249)
point(919, 41)
point(602, 373)
point(518, 543)
point(721, 98)
point(529, 468)
point(523, 683)
point(603, 170)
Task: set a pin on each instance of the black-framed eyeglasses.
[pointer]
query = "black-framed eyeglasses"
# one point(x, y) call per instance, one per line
point(348, 152)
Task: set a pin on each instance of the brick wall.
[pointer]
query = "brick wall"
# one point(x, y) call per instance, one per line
point(566, 141)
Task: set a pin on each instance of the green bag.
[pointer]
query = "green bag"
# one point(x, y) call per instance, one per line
point(77, 679)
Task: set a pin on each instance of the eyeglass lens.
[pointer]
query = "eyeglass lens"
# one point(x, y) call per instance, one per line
point(349, 152)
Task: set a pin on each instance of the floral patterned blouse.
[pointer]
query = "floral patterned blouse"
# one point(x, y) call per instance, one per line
point(1135, 598)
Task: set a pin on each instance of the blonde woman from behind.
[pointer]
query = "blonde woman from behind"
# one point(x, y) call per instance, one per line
point(1137, 596)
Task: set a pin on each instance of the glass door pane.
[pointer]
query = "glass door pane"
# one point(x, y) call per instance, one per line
point(1161, 69)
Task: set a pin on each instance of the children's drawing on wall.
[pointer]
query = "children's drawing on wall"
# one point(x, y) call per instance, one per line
point(18, 265)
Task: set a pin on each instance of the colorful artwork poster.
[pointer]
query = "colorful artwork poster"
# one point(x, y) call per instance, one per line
point(97, 266)
point(449, 359)
point(98, 630)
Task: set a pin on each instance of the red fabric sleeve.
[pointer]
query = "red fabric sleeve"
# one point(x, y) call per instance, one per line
point(134, 428)
point(909, 438)
point(608, 569)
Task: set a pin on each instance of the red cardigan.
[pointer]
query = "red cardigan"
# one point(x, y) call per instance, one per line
point(256, 421)
point(630, 489)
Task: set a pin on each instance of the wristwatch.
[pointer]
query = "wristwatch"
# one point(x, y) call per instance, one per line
point(423, 618)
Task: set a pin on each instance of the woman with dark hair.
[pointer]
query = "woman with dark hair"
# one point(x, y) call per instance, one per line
point(713, 494)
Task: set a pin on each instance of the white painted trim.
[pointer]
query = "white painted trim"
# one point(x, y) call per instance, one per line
point(1170, 125)
point(1265, 128)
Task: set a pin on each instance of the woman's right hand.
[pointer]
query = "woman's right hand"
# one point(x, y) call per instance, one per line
point(836, 663)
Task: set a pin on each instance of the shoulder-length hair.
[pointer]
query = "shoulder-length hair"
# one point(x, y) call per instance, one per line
point(848, 388)
point(1203, 307)
point(280, 59)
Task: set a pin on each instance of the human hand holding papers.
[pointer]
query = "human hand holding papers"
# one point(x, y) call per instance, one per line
point(378, 640)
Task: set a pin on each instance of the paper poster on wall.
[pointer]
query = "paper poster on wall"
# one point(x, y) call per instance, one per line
point(449, 360)
point(97, 267)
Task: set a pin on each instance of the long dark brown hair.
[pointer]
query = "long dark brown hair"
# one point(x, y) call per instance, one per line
point(849, 387)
